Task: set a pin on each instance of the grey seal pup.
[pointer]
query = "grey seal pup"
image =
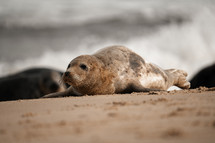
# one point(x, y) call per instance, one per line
point(117, 69)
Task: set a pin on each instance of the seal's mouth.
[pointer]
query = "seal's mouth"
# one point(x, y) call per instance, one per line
point(67, 78)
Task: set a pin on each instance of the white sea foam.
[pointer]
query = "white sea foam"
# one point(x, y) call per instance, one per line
point(190, 47)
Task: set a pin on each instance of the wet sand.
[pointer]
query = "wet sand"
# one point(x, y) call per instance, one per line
point(176, 116)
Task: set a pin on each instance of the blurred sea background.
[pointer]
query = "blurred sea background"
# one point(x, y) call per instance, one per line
point(50, 33)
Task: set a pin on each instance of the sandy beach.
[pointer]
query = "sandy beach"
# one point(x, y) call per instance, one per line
point(174, 116)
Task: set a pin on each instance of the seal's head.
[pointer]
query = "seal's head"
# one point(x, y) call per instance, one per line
point(87, 74)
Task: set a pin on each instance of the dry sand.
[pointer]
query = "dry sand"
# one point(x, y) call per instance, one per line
point(177, 116)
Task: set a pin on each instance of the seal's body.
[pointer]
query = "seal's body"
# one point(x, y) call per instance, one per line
point(117, 69)
point(30, 84)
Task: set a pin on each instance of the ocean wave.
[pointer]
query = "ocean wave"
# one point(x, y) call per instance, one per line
point(171, 38)
point(59, 13)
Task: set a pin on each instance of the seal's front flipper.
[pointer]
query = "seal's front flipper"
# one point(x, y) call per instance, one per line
point(138, 88)
point(56, 94)
point(68, 92)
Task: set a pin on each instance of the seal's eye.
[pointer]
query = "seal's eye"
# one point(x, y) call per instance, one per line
point(69, 66)
point(83, 67)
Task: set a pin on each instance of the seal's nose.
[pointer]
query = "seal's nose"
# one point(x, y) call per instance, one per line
point(67, 73)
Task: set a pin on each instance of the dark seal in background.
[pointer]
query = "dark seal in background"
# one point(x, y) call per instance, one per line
point(30, 84)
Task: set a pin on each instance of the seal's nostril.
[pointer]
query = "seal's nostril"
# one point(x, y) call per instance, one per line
point(67, 73)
